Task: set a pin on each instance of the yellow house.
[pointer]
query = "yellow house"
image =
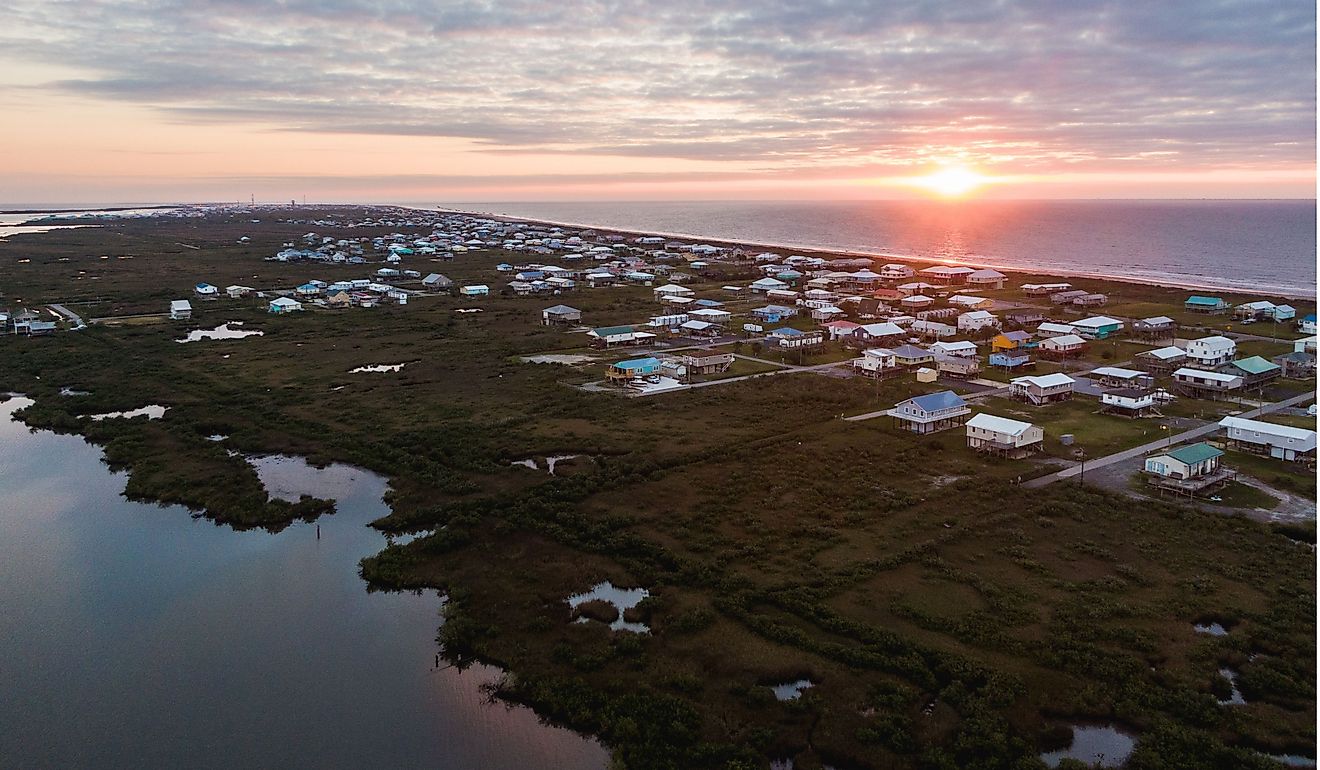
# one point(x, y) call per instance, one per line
point(1009, 341)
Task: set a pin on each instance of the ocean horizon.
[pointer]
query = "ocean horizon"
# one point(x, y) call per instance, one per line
point(1265, 245)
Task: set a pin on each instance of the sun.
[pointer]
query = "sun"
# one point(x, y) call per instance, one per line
point(952, 181)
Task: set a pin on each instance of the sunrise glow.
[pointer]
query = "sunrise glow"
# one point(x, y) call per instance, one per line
point(952, 181)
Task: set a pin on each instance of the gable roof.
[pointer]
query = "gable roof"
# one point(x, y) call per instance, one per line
point(610, 331)
point(1194, 453)
point(1165, 353)
point(1282, 431)
point(1255, 365)
point(1045, 380)
point(998, 424)
point(934, 402)
point(1197, 299)
point(1095, 322)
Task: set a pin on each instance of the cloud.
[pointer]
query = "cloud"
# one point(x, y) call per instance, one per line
point(1014, 85)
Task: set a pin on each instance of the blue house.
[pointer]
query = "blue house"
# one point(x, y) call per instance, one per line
point(774, 313)
point(1009, 360)
point(632, 369)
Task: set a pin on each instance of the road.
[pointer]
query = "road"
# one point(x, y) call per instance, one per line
point(740, 378)
point(1134, 452)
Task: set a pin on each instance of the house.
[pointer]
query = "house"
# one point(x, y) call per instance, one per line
point(711, 315)
point(916, 287)
point(1188, 469)
point(1296, 365)
point(609, 336)
point(1211, 351)
point(987, 278)
point(1091, 300)
point(702, 361)
point(977, 320)
point(1254, 371)
point(180, 310)
point(933, 329)
point(624, 372)
point(827, 313)
point(1067, 297)
point(931, 412)
point(235, 292)
point(1164, 359)
point(560, 314)
point(1042, 389)
point(911, 356)
point(774, 313)
point(788, 338)
point(284, 305)
point(1041, 289)
point(1200, 304)
point(339, 300)
point(36, 328)
point(1155, 328)
point(437, 281)
point(1282, 442)
point(1010, 341)
point(1051, 329)
point(1009, 361)
point(1065, 346)
point(671, 290)
point(699, 329)
point(969, 302)
point(1199, 383)
point(840, 329)
point(308, 290)
point(1002, 436)
point(945, 274)
point(957, 348)
point(1098, 327)
point(877, 362)
point(1262, 310)
point(1116, 377)
point(206, 290)
point(961, 367)
point(881, 333)
point(1025, 319)
point(766, 284)
point(916, 302)
point(1306, 324)
point(1304, 345)
point(1129, 402)
point(475, 290)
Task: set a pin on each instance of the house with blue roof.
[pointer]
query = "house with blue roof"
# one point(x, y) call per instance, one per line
point(623, 372)
point(931, 413)
point(206, 290)
point(773, 314)
point(1306, 324)
point(1201, 304)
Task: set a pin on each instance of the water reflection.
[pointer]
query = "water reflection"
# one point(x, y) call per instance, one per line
point(137, 636)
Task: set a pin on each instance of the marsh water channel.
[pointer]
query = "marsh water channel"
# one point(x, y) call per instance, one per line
point(135, 635)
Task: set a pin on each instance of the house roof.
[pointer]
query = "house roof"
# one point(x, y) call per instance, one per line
point(285, 302)
point(1255, 365)
point(180, 304)
point(911, 351)
point(1164, 353)
point(1157, 320)
point(1095, 322)
point(1115, 371)
point(966, 299)
point(998, 424)
point(1128, 392)
point(934, 402)
point(986, 273)
point(977, 315)
point(561, 309)
point(786, 331)
point(1187, 371)
point(1215, 340)
point(1045, 380)
point(955, 345)
point(1064, 339)
point(1197, 299)
point(1269, 428)
point(1016, 336)
point(885, 329)
point(1050, 326)
point(610, 331)
point(639, 363)
point(1194, 453)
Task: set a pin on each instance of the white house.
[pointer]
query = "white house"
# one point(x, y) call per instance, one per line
point(1061, 346)
point(1211, 351)
point(475, 290)
point(969, 302)
point(976, 320)
point(766, 284)
point(1052, 329)
point(236, 291)
point(933, 329)
point(206, 290)
point(990, 279)
point(284, 305)
point(877, 362)
point(947, 274)
point(1132, 402)
point(956, 348)
point(1014, 438)
point(1283, 442)
point(1186, 462)
point(878, 332)
point(1042, 389)
point(895, 271)
point(672, 290)
point(180, 309)
point(1199, 383)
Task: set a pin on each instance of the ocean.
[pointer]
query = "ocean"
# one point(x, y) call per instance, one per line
point(1267, 246)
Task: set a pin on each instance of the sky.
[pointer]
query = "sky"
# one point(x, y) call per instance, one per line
point(409, 100)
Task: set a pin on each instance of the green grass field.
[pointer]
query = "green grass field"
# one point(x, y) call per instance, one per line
point(778, 541)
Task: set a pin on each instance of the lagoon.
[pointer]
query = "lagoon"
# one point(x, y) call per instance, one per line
point(138, 636)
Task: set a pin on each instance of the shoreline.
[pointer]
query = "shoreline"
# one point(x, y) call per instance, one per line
point(1191, 285)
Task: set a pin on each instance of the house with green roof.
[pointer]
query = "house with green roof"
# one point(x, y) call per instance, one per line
point(1200, 304)
point(1186, 463)
point(1254, 370)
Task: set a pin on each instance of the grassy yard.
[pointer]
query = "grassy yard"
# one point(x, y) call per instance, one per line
point(1097, 434)
point(1289, 477)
